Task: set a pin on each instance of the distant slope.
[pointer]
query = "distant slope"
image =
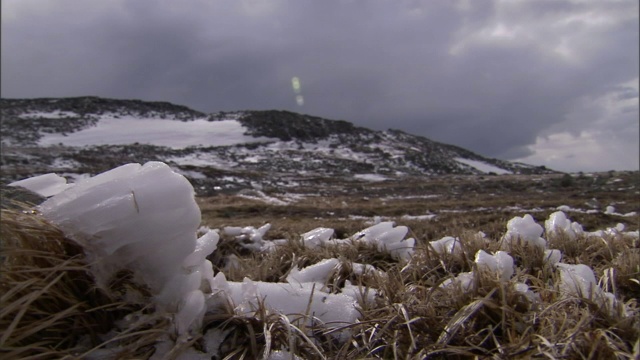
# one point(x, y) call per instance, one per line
point(86, 135)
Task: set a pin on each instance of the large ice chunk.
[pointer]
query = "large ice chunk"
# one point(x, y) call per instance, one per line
point(317, 237)
point(142, 218)
point(387, 237)
point(580, 281)
point(249, 237)
point(500, 264)
point(447, 245)
point(317, 273)
point(559, 224)
point(523, 230)
point(299, 302)
point(552, 257)
point(577, 280)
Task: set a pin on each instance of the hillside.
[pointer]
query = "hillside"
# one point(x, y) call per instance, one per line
point(83, 136)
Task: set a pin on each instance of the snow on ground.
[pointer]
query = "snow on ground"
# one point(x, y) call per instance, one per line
point(48, 115)
point(484, 167)
point(282, 199)
point(418, 217)
point(190, 173)
point(258, 195)
point(410, 197)
point(609, 210)
point(491, 209)
point(59, 163)
point(370, 177)
point(74, 177)
point(172, 133)
point(202, 159)
point(372, 220)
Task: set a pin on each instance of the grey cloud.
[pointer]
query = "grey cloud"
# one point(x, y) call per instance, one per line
point(429, 68)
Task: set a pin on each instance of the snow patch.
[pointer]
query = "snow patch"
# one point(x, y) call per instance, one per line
point(162, 132)
point(48, 115)
point(370, 177)
point(483, 167)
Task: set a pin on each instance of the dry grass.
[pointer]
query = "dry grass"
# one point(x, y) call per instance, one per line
point(415, 318)
point(50, 307)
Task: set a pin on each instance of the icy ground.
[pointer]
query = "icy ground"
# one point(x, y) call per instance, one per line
point(144, 218)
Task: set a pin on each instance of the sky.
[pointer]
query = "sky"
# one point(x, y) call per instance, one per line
point(546, 82)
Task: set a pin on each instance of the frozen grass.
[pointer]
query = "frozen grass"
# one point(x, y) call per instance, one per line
point(413, 317)
point(50, 307)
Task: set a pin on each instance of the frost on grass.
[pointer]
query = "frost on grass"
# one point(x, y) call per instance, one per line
point(385, 236)
point(144, 219)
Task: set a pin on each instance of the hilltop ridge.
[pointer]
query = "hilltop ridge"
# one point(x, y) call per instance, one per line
point(86, 135)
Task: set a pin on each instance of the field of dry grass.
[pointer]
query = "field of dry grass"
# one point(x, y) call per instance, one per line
point(461, 203)
point(45, 288)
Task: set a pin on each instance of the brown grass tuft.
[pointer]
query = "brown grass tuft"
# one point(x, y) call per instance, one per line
point(50, 307)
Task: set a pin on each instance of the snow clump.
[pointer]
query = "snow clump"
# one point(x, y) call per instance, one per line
point(523, 230)
point(558, 224)
point(447, 245)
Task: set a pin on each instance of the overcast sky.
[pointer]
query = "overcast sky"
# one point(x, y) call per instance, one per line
point(547, 82)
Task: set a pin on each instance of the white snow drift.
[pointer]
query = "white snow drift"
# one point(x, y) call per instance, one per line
point(175, 134)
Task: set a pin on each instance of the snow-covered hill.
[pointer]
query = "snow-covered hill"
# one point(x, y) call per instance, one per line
point(86, 135)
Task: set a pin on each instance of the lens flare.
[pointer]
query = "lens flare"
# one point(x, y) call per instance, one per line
point(297, 89)
point(295, 84)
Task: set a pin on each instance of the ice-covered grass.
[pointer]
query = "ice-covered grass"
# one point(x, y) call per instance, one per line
point(533, 287)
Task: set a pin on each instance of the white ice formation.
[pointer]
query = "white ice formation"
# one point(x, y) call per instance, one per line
point(45, 185)
point(523, 230)
point(385, 236)
point(499, 266)
point(559, 224)
point(579, 281)
point(447, 245)
point(141, 218)
point(144, 218)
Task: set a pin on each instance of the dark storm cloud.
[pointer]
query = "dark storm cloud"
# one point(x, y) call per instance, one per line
point(491, 76)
